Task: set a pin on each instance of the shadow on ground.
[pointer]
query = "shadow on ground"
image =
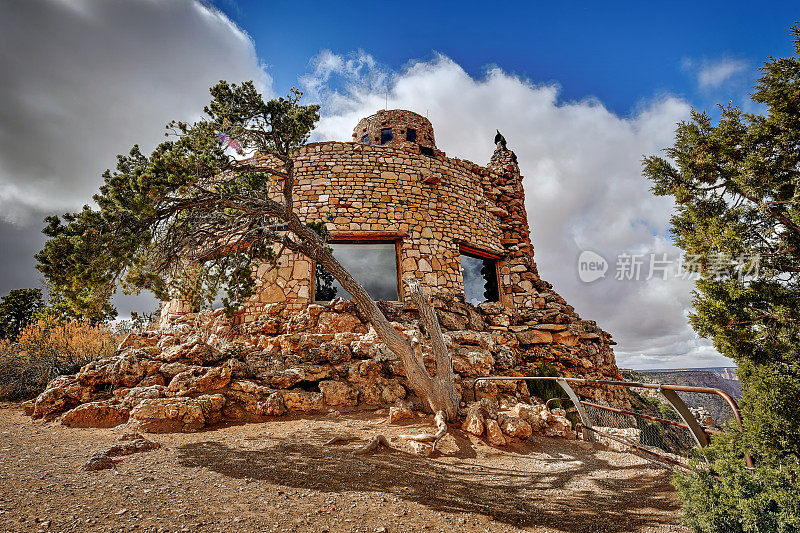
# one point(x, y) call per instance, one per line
point(514, 497)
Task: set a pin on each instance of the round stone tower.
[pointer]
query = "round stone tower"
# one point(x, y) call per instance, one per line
point(394, 128)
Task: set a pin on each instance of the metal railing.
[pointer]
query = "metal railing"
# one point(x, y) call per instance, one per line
point(687, 421)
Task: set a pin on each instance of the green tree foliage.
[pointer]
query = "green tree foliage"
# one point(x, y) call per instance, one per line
point(17, 309)
point(191, 218)
point(736, 185)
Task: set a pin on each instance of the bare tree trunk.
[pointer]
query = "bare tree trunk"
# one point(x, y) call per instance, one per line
point(439, 392)
point(444, 396)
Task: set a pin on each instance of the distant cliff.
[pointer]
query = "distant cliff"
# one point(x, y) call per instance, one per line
point(723, 378)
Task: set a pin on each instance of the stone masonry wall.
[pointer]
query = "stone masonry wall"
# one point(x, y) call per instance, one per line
point(431, 205)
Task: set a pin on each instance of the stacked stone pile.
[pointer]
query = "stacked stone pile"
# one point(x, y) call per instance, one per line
point(204, 368)
point(501, 426)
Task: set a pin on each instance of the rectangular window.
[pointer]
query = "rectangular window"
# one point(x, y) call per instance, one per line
point(386, 135)
point(365, 139)
point(480, 278)
point(411, 135)
point(424, 150)
point(373, 264)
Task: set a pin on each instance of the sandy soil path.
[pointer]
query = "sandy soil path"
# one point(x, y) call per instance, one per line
point(279, 476)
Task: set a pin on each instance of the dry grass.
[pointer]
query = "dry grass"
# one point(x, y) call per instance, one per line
point(49, 348)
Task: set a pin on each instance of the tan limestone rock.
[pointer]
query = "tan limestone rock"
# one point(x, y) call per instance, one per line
point(369, 393)
point(400, 411)
point(199, 380)
point(96, 415)
point(514, 427)
point(130, 398)
point(494, 434)
point(473, 362)
point(535, 337)
point(338, 393)
point(168, 415)
point(566, 338)
point(474, 422)
point(302, 401)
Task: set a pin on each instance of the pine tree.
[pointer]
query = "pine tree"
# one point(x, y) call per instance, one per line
point(736, 184)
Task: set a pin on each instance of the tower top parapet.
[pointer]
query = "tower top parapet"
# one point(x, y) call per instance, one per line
point(393, 127)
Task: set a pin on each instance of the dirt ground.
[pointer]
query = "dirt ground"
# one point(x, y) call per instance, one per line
point(280, 476)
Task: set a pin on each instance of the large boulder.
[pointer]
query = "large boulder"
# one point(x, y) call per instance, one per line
point(534, 336)
point(302, 401)
point(298, 374)
point(127, 370)
point(332, 352)
point(338, 393)
point(514, 427)
point(494, 434)
point(391, 390)
point(473, 361)
point(256, 399)
point(96, 415)
point(177, 414)
point(61, 394)
point(332, 322)
point(124, 370)
point(132, 397)
point(558, 425)
point(474, 422)
point(199, 379)
point(532, 414)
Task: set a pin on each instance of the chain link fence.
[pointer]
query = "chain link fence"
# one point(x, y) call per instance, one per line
point(657, 421)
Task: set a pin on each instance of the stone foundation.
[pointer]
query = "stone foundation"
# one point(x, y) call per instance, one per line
point(203, 368)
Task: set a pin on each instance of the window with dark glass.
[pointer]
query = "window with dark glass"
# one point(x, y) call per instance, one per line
point(411, 135)
point(480, 279)
point(386, 135)
point(425, 150)
point(365, 139)
point(373, 264)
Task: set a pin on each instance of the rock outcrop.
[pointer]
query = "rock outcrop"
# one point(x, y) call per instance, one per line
point(204, 368)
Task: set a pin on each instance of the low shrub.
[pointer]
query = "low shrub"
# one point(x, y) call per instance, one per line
point(48, 348)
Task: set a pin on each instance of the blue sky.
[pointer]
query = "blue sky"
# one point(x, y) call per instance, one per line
point(581, 92)
point(618, 52)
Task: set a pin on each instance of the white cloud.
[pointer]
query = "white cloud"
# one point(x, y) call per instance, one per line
point(583, 185)
point(87, 79)
point(713, 74)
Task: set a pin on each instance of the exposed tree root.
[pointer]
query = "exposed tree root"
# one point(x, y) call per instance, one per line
point(371, 446)
point(441, 424)
point(338, 440)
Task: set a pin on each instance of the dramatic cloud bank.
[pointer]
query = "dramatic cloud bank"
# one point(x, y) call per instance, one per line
point(85, 80)
point(583, 183)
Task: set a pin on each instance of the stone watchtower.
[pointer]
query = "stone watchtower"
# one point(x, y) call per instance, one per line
point(397, 207)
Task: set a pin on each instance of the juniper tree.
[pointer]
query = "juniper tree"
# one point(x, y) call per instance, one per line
point(736, 185)
point(17, 309)
point(192, 220)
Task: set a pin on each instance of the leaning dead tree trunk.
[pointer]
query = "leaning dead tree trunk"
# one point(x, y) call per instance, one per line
point(438, 391)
